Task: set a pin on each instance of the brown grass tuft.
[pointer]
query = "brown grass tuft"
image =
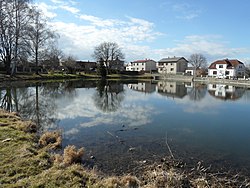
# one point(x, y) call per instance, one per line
point(72, 155)
point(28, 126)
point(112, 182)
point(58, 159)
point(130, 182)
point(51, 139)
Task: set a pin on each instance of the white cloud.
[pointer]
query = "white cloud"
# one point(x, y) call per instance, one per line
point(47, 10)
point(57, 1)
point(185, 11)
point(211, 46)
point(80, 40)
point(71, 9)
point(133, 35)
point(98, 21)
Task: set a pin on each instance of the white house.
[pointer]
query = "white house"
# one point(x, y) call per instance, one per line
point(227, 69)
point(141, 65)
point(172, 65)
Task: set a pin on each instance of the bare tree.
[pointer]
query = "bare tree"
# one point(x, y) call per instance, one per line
point(197, 61)
point(110, 52)
point(52, 56)
point(39, 35)
point(13, 21)
point(70, 63)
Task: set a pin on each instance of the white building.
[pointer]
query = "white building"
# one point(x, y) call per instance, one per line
point(226, 69)
point(141, 65)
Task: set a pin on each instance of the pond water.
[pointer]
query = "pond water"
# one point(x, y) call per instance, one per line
point(123, 124)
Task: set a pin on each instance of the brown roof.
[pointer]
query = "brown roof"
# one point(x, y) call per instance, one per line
point(230, 63)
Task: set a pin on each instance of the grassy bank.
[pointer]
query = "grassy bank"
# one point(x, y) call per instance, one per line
point(28, 160)
point(60, 76)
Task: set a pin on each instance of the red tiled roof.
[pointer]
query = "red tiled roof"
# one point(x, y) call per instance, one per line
point(230, 63)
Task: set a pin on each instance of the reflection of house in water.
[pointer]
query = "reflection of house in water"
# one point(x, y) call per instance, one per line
point(189, 84)
point(172, 89)
point(225, 92)
point(146, 87)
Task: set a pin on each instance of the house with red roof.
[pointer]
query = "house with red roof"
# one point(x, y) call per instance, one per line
point(146, 65)
point(227, 68)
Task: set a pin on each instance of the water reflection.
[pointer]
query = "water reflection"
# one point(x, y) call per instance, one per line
point(172, 89)
point(108, 96)
point(225, 92)
point(146, 87)
point(197, 92)
point(88, 111)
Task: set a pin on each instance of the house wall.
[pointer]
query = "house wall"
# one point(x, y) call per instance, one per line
point(141, 66)
point(167, 68)
point(221, 71)
point(172, 67)
point(181, 65)
point(150, 65)
point(240, 70)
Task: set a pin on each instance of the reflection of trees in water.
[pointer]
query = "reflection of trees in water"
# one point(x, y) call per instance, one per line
point(37, 102)
point(8, 99)
point(197, 92)
point(108, 96)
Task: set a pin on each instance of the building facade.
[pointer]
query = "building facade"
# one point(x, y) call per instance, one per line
point(146, 65)
point(172, 65)
point(227, 69)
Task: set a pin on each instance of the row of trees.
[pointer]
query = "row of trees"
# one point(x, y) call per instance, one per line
point(24, 34)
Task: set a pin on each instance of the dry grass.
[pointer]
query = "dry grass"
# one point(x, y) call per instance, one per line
point(118, 182)
point(130, 182)
point(71, 155)
point(51, 140)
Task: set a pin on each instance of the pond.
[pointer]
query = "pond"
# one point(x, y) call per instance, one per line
point(124, 124)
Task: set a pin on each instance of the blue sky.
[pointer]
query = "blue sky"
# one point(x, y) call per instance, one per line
point(153, 28)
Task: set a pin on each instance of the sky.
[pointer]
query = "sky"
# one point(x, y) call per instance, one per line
point(152, 29)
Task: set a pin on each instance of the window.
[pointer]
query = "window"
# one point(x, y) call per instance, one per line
point(220, 66)
point(142, 69)
point(214, 86)
point(227, 72)
point(171, 63)
point(214, 72)
point(172, 69)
